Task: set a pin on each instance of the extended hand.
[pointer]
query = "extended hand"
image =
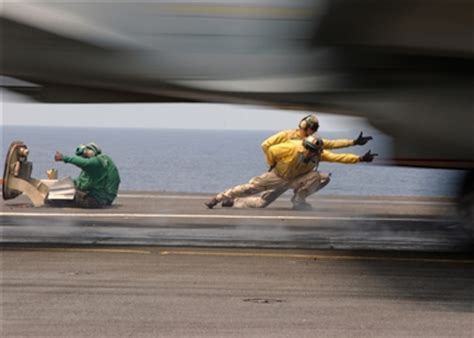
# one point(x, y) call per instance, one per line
point(361, 140)
point(368, 157)
point(58, 156)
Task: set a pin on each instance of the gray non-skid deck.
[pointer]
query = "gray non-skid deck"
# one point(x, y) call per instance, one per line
point(341, 222)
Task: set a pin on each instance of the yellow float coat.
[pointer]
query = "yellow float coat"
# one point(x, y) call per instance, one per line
point(298, 134)
point(287, 159)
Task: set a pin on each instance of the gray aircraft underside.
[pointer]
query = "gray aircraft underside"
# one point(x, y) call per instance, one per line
point(404, 65)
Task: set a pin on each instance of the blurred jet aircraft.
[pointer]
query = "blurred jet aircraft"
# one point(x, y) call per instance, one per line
point(405, 65)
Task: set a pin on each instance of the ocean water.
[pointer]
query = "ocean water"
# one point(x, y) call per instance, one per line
point(210, 161)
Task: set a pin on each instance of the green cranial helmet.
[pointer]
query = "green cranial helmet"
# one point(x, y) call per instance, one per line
point(94, 147)
point(91, 146)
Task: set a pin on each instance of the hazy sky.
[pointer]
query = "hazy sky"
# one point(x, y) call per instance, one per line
point(16, 110)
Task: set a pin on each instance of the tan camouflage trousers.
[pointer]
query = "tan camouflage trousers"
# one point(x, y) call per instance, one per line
point(262, 190)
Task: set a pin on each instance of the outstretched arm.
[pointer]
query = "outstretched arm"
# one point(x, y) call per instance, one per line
point(328, 156)
point(347, 158)
point(344, 143)
point(336, 144)
point(79, 161)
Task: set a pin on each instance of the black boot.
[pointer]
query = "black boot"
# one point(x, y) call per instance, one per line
point(228, 203)
point(212, 203)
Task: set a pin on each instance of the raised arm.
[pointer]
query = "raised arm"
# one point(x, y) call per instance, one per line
point(328, 156)
point(82, 162)
point(344, 143)
point(335, 144)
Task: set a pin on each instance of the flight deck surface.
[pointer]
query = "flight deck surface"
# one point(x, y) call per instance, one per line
point(162, 264)
point(179, 219)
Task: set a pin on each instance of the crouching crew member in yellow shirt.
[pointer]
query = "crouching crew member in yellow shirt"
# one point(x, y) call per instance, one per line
point(294, 165)
point(306, 127)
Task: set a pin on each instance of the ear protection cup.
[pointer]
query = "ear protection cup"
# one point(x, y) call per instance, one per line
point(309, 121)
point(80, 149)
point(304, 123)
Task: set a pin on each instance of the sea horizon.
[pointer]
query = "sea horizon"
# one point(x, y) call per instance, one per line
point(200, 161)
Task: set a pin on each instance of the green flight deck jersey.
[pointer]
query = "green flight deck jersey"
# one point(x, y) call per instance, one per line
point(99, 177)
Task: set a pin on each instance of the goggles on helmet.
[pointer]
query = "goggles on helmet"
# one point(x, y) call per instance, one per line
point(80, 149)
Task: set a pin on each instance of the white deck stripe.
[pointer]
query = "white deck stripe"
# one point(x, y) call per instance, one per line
point(201, 216)
point(319, 200)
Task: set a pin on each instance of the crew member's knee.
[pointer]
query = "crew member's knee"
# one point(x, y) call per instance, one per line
point(250, 202)
point(238, 191)
point(262, 203)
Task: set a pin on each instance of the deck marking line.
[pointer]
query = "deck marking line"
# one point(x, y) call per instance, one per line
point(125, 251)
point(325, 200)
point(304, 256)
point(212, 216)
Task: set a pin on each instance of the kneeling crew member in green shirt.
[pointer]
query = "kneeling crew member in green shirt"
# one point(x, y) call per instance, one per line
point(97, 184)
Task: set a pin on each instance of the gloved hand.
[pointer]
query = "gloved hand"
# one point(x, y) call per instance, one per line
point(367, 157)
point(361, 140)
point(58, 156)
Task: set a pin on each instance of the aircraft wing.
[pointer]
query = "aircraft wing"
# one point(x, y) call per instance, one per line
point(406, 66)
point(120, 52)
point(64, 58)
